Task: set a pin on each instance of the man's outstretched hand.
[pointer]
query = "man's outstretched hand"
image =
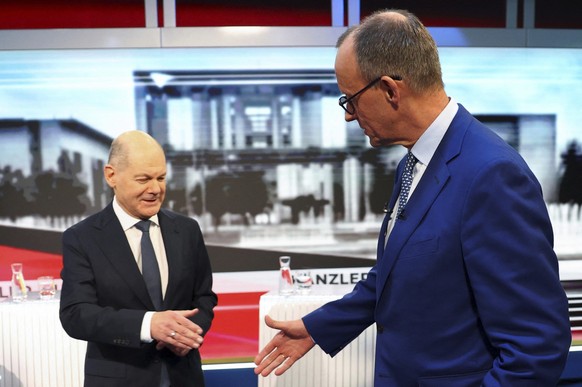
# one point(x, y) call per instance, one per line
point(289, 345)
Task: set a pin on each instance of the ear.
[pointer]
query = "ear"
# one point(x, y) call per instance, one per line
point(392, 89)
point(109, 173)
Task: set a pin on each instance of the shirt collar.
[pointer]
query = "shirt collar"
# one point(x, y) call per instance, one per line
point(127, 221)
point(427, 144)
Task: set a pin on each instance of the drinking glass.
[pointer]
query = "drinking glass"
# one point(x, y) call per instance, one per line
point(304, 281)
point(46, 287)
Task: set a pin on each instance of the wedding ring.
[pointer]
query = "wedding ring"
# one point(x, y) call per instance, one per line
point(172, 334)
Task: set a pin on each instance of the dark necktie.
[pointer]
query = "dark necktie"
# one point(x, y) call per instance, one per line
point(406, 182)
point(149, 264)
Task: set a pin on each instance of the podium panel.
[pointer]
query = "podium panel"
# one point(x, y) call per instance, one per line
point(352, 367)
point(34, 348)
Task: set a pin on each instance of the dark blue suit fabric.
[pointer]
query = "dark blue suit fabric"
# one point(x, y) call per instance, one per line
point(466, 291)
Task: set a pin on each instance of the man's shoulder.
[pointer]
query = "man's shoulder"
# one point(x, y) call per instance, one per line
point(176, 217)
point(479, 136)
point(95, 219)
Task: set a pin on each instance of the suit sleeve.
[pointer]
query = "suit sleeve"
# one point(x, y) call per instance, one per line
point(203, 298)
point(507, 242)
point(334, 325)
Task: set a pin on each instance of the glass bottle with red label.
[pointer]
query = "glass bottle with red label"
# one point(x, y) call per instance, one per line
point(285, 278)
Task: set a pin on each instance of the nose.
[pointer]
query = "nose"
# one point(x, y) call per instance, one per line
point(350, 117)
point(155, 186)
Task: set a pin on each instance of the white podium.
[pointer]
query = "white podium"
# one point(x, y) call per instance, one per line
point(35, 351)
point(352, 367)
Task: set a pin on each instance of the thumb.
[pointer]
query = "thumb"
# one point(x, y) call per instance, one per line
point(160, 345)
point(272, 323)
point(189, 313)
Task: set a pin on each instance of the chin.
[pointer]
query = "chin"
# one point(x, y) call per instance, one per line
point(150, 211)
point(375, 143)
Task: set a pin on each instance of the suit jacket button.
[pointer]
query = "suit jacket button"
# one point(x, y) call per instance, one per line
point(379, 328)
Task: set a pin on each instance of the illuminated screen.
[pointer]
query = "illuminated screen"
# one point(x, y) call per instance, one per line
point(258, 149)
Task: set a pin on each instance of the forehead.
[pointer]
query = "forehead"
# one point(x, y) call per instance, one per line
point(347, 70)
point(148, 163)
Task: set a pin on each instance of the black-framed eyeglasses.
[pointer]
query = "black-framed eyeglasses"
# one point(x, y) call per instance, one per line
point(347, 104)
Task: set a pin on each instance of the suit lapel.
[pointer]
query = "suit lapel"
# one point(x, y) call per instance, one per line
point(113, 243)
point(426, 192)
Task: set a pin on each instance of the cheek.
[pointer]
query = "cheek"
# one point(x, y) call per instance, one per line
point(379, 123)
point(133, 191)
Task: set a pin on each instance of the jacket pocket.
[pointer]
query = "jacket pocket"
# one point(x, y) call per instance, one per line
point(106, 368)
point(418, 248)
point(473, 379)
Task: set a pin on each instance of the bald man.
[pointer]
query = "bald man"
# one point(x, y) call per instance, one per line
point(138, 334)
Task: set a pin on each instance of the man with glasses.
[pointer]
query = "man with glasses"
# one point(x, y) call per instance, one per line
point(465, 291)
point(347, 102)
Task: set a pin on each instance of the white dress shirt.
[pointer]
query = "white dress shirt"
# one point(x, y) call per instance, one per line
point(134, 238)
point(424, 149)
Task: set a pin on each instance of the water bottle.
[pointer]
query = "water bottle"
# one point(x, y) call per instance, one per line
point(18, 286)
point(285, 277)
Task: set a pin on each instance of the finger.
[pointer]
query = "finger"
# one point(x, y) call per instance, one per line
point(182, 318)
point(183, 352)
point(267, 350)
point(260, 360)
point(182, 343)
point(178, 351)
point(188, 313)
point(192, 332)
point(272, 323)
point(271, 345)
point(168, 325)
point(189, 329)
point(161, 345)
point(173, 338)
point(273, 364)
point(181, 325)
point(284, 366)
point(189, 339)
point(263, 363)
point(189, 334)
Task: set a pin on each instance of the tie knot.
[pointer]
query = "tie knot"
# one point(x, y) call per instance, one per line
point(410, 159)
point(143, 225)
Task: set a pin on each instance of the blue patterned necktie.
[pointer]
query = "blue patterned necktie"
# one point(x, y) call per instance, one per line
point(149, 265)
point(406, 182)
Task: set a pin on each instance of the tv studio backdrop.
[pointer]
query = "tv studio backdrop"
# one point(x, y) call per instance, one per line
point(244, 101)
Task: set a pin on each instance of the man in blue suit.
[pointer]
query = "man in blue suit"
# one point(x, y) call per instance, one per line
point(137, 335)
point(465, 291)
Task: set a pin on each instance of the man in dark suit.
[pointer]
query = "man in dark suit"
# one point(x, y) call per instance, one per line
point(140, 332)
point(465, 291)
